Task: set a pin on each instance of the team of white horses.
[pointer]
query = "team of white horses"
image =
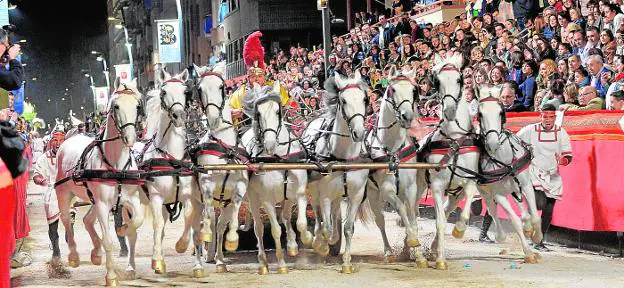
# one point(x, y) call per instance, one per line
point(337, 135)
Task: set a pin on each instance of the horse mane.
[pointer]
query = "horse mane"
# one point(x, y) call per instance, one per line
point(153, 112)
point(333, 91)
point(254, 98)
point(122, 87)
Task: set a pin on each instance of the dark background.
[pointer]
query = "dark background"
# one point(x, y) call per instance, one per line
point(61, 36)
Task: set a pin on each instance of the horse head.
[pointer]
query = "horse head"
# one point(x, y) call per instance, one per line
point(447, 79)
point(211, 87)
point(173, 95)
point(350, 93)
point(263, 105)
point(125, 108)
point(401, 95)
point(491, 116)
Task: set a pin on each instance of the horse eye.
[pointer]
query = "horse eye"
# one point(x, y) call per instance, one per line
point(163, 93)
point(116, 107)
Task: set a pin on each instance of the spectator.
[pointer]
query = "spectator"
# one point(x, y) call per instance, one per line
point(570, 94)
point(600, 75)
point(509, 97)
point(617, 101)
point(528, 86)
point(588, 100)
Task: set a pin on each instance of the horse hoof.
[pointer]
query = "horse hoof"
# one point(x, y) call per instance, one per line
point(306, 239)
point(390, 259)
point(74, 263)
point(181, 246)
point(413, 243)
point(531, 259)
point(293, 252)
point(282, 270)
point(442, 265)
point(324, 251)
point(231, 246)
point(536, 238)
point(458, 234)
point(263, 270)
point(198, 273)
point(538, 256)
point(347, 269)
point(205, 236)
point(112, 282)
point(159, 266)
point(501, 238)
point(221, 268)
point(96, 260)
point(122, 230)
point(422, 263)
point(528, 232)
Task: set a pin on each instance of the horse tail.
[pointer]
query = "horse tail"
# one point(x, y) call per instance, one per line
point(365, 213)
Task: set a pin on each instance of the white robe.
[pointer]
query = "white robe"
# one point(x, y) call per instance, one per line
point(45, 166)
point(544, 168)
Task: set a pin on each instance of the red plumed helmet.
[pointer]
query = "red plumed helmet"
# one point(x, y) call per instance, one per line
point(253, 53)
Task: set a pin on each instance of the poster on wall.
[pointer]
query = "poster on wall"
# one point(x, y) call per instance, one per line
point(4, 12)
point(168, 41)
point(122, 71)
point(101, 97)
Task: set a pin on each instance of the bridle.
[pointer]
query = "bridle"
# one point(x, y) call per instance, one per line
point(484, 133)
point(392, 101)
point(260, 132)
point(163, 93)
point(344, 114)
point(201, 100)
point(450, 67)
point(126, 91)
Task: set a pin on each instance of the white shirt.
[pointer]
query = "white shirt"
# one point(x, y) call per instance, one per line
point(544, 168)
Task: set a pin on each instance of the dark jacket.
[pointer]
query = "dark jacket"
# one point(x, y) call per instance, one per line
point(517, 106)
point(12, 79)
point(524, 8)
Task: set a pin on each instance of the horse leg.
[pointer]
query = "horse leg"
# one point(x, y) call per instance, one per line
point(411, 202)
point(231, 241)
point(134, 205)
point(276, 232)
point(183, 243)
point(336, 219)
point(536, 220)
point(525, 217)
point(107, 241)
point(205, 187)
point(376, 206)
point(493, 210)
point(354, 206)
point(470, 190)
point(158, 263)
point(198, 269)
point(89, 222)
point(411, 240)
point(302, 219)
point(437, 192)
point(291, 238)
point(64, 202)
point(222, 222)
point(254, 206)
point(529, 256)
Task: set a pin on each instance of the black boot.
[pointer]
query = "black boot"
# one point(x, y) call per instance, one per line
point(123, 251)
point(54, 239)
point(487, 221)
point(541, 247)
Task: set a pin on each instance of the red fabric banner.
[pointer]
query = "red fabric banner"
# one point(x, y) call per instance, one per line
point(593, 199)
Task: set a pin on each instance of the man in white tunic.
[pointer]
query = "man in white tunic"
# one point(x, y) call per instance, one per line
point(551, 149)
point(45, 175)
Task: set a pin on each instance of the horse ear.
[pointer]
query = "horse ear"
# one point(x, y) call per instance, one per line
point(393, 71)
point(357, 76)
point(198, 70)
point(338, 79)
point(117, 83)
point(277, 88)
point(160, 76)
point(134, 82)
point(184, 76)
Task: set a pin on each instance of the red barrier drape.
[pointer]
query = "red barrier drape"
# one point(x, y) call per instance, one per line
point(7, 236)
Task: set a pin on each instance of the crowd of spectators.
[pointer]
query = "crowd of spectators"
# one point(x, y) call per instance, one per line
point(566, 53)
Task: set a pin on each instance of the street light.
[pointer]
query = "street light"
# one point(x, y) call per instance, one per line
point(49, 100)
point(100, 58)
point(22, 41)
point(87, 75)
point(12, 6)
point(110, 18)
point(63, 99)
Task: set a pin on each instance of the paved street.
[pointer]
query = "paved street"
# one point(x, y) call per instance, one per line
point(471, 264)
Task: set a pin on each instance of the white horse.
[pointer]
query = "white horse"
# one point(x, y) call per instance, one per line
point(452, 143)
point(219, 146)
point(166, 118)
point(389, 143)
point(110, 152)
point(338, 135)
point(269, 140)
point(504, 166)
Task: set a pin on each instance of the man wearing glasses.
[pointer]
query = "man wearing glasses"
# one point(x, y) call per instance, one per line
point(588, 100)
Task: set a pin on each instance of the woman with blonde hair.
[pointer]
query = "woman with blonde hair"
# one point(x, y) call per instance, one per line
point(546, 72)
point(570, 93)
